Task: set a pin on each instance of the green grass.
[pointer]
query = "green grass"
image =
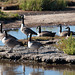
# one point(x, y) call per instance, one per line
point(67, 45)
point(39, 5)
point(5, 16)
point(43, 5)
point(32, 5)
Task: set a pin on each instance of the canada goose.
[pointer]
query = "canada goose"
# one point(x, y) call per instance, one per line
point(25, 29)
point(2, 34)
point(34, 44)
point(10, 42)
point(45, 33)
point(65, 33)
point(68, 31)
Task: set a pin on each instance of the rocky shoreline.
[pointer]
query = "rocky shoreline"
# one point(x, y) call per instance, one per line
point(47, 54)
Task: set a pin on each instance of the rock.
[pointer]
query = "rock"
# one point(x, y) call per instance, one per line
point(48, 54)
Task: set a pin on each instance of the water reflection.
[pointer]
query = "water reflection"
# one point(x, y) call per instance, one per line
point(23, 69)
point(18, 34)
point(37, 71)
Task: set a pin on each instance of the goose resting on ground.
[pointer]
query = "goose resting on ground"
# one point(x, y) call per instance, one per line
point(64, 33)
point(34, 44)
point(10, 42)
point(25, 29)
point(45, 33)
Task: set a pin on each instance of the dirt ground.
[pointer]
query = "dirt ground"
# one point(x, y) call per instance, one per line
point(43, 18)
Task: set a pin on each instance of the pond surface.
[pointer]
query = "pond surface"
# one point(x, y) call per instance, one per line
point(23, 69)
point(18, 34)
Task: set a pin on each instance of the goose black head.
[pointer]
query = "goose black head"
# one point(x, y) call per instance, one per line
point(38, 27)
point(22, 19)
point(22, 16)
point(67, 28)
point(1, 27)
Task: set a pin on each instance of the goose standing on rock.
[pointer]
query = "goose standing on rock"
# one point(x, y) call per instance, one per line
point(45, 33)
point(34, 44)
point(65, 33)
point(2, 34)
point(10, 42)
point(25, 29)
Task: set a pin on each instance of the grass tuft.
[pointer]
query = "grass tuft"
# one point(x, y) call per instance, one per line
point(67, 45)
point(5, 16)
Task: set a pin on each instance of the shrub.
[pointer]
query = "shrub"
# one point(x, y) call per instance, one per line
point(30, 5)
point(53, 4)
point(67, 45)
point(43, 4)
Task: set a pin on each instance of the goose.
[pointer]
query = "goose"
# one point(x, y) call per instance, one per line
point(10, 42)
point(68, 31)
point(25, 29)
point(45, 33)
point(34, 44)
point(64, 33)
point(2, 34)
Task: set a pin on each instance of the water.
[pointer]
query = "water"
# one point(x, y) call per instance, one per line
point(18, 34)
point(24, 69)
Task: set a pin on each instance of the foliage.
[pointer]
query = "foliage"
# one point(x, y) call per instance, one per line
point(43, 4)
point(67, 45)
point(4, 16)
point(30, 5)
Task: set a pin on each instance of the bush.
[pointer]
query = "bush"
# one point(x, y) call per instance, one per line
point(43, 4)
point(53, 4)
point(32, 5)
point(67, 45)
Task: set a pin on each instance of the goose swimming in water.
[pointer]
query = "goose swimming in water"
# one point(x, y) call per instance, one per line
point(65, 33)
point(45, 33)
point(25, 29)
point(10, 42)
point(68, 31)
point(34, 44)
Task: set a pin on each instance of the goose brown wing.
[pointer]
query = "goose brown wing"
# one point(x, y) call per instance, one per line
point(35, 43)
point(28, 30)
